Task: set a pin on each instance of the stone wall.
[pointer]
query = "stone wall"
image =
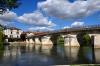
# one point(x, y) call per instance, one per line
point(71, 41)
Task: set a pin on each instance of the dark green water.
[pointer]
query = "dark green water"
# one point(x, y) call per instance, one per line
point(58, 55)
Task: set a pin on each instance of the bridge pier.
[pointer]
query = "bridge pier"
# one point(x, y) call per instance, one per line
point(96, 40)
point(37, 43)
point(29, 42)
point(46, 42)
point(70, 40)
point(54, 39)
point(37, 40)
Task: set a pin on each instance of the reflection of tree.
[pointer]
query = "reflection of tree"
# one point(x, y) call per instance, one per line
point(54, 50)
point(1, 55)
point(86, 52)
point(86, 55)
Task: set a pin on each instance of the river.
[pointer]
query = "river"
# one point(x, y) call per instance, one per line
point(48, 55)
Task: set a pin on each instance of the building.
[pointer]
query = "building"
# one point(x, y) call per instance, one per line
point(12, 33)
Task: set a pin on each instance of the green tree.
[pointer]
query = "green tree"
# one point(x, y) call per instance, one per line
point(1, 39)
point(84, 39)
point(12, 3)
point(8, 4)
point(60, 40)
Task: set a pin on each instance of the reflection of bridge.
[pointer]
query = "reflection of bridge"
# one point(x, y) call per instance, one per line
point(69, 35)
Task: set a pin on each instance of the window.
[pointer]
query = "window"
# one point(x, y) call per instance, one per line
point(11, 31)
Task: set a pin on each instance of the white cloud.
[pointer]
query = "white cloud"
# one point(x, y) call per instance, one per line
point(36, 18)
point(8, 17)
point(76, 24)
point(40, 29)
point(66, 10)
point(66, 27)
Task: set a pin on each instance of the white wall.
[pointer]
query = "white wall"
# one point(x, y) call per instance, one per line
point(14, 33)
point(7, 32)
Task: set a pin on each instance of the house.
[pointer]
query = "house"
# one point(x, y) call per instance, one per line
point(12, 33)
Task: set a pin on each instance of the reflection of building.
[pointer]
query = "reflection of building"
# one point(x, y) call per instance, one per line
point(12, 33)
point(13, 52)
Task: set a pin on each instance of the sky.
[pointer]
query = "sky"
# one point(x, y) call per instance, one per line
point(48, 15)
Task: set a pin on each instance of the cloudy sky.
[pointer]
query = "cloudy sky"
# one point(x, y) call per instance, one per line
point(44, 15)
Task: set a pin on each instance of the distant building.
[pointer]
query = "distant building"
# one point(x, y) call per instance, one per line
point(28, 34)
point(12, 33)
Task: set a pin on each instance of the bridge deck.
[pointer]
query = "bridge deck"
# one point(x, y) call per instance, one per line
point(91, 29)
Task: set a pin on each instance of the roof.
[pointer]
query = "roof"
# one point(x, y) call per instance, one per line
point(12, 28)
point(36, 33)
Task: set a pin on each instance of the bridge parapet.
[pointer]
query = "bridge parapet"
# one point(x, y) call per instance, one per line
point(90, 29)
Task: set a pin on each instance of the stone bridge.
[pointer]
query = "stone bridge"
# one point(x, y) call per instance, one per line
point(69, 35)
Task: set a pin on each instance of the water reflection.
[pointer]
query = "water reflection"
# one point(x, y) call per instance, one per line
point(86, 54)
point(97, 55)
point(71, 54)
point(37, 47)
point(46, 49)
point(48, 55)
point(11, 51)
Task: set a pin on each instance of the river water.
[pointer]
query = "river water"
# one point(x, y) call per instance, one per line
point(48, 55)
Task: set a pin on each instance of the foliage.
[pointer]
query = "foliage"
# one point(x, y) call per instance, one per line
point(60, 40)
point(23, 37)
point(1, 40)
point(84, 39)
point(8, 4)
point(12, 3)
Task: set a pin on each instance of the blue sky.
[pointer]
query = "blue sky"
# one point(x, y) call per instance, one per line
point(35, 15)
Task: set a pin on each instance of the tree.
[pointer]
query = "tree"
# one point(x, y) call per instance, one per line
point(23, 37)
point(84, 39)
point(12, 4)
point(8, 4)
point(1, 39)
point(60, 40)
